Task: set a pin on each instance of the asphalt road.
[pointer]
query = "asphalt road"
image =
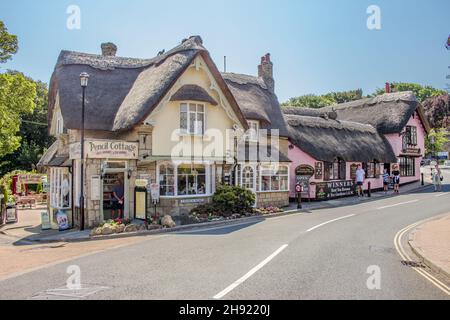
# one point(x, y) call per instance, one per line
point(323, 254)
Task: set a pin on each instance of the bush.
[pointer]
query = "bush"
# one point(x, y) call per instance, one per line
point(226, 201)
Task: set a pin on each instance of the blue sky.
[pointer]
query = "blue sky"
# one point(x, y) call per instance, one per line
point(316, 46)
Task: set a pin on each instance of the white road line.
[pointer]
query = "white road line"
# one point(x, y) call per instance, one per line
point(249, 274)
point(330, 221)
point(401, 251)
point(442, 194)
point(397, 204)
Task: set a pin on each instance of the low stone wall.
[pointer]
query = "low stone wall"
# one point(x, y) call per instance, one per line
point(177, 206)
point(277, 199)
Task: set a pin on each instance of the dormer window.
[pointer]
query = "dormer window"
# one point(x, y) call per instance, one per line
point(192, 118)
point(253, 132)
point(60, 124)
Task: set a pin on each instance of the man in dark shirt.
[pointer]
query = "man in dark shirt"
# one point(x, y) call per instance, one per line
point(118, 194)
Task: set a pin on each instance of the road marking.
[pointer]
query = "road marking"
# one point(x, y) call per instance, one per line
point(401, 251)
point(330, 221)
point(442, 194)
point(397, 204)
point(249, 274)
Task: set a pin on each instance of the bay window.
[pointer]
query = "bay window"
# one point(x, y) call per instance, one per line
point(192, 118)
point(60, 188)
point(274, 179)
point(184, 179)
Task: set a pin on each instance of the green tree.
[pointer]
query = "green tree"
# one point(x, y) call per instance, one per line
point(439, 136)
point(319, 101)
point(8, 43)
point(35, 139)
point(17, 98)
point(421, 92)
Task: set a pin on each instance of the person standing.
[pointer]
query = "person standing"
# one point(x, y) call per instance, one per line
point(396, 178)
point(360, 176)
point(437, 178)
point(385, 181)
point(118, 195)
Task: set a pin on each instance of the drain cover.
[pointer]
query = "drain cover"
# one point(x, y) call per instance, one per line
point(65, 293)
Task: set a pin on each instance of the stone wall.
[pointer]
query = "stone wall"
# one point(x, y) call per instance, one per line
point(277, 199)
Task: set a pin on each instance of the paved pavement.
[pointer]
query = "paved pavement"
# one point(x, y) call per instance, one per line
point(431, 241)
point(323, 254)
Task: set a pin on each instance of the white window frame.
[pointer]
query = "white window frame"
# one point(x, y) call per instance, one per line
point(56, 195)
point(240, 175)
point(197, 131)
point(253, 131)
point(59, 123)
point(208, 183)
point(275, 173)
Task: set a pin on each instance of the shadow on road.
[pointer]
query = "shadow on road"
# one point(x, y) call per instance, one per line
point(218, 231)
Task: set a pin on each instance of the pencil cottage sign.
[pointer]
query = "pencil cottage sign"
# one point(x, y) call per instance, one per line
point(106, 149)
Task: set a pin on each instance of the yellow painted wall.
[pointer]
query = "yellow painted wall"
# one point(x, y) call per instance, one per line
point(166, 118)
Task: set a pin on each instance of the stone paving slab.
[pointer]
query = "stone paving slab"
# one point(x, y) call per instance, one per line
point(431, 242)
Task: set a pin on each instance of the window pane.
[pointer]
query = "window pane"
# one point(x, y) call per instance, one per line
point(199, 123)
point(265, 183)
point(275, 183)
point(183, 107)
point(183, 121)
point(284, 183)
point(192, 108)
point(200, 108)
point(191, 122)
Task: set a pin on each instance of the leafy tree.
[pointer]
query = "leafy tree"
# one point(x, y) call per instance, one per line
point(440, 139)
point(315, 101)
point(437, 110)
point(33, 132)
point(8, 43)
point(17, 98)
point(421, 92)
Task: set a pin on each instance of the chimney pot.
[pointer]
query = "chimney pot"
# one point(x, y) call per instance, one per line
point(265, 71)
point(388, 87)
point(109, 49)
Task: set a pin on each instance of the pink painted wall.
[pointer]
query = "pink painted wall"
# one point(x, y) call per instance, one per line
point(298, 157)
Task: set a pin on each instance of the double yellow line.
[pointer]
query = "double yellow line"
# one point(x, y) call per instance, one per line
point(401, 251)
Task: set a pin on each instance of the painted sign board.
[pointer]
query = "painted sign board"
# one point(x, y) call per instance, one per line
point(334, 189)
point(45, 220)
point(62, 220)
point(95, 188)
point(154, 192)
point(105, 149)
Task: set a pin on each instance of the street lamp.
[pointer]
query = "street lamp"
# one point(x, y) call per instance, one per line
point(84, 78)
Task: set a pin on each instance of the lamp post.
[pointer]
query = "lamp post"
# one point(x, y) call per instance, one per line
point(84, 78)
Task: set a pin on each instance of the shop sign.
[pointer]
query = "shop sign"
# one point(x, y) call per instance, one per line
point(318, 170)
point(105, 149)
point(62, 220)
point(45, 220)
point(95, 188)
point(154, 192)
point(443, 155)
point(415, 151)
point(31, 178)
point(199, 200)
point(334, 189)
point(304, 170)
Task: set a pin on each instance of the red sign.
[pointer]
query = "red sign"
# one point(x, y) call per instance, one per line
point(298, 188)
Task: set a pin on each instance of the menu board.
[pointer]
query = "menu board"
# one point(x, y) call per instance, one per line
point(318, 170)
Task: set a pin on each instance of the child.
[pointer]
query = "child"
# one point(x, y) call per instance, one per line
point(385, 181)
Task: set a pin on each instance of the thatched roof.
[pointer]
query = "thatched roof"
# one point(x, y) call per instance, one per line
point(388, 113)
point(123, 91)
point(257, 101)
point(194, 93)
point(326, 139)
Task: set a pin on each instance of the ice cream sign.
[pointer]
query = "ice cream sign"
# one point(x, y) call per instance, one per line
point(105, 149)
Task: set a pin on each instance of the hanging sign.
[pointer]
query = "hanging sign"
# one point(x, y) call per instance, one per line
point(318, 170)
point(105, 149)
point(304, 170)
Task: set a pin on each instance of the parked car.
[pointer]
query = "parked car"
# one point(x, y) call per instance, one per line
point(447, 163)
point(425, 162)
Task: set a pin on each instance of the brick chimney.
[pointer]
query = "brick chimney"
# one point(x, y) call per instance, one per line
point(265, 71)
point(109, 49)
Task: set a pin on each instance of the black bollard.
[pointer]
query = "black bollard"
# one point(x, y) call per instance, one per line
point(368, 190)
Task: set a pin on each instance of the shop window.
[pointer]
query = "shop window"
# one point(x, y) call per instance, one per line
point(370, 169)
point(192, 118)
point(60, 188)
point(335, 170)
point(247, 175)
point(167, 180)
point(274, 179)
point(191, 180)
point(407, 167)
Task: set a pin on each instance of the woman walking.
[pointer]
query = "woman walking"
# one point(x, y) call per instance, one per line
point(437, 178)
point(396, 174)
